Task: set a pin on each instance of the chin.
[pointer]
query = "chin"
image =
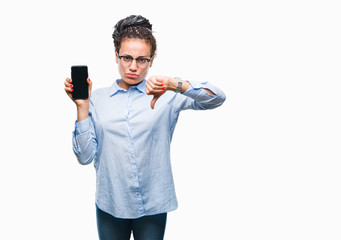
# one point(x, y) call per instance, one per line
point(132, 81)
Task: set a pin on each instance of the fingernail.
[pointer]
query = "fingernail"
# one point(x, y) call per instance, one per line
point(69, 80)
point(161, 91)
point(71, 90)
point(71, 86)
point(163, 88)
point(161, 84)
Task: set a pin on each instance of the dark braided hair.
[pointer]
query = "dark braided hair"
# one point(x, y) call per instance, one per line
point(134, 26)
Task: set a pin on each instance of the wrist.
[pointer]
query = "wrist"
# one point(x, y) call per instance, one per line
point(172, 83)
point(178, 85)
point(82, 112)
point(82, 107)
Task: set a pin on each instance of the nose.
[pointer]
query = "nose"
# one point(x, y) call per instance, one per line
point(133, 65)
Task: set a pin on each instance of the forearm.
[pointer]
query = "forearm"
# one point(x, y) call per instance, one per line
point(84, 142)
point(172, 84)
point(185, 86)
point(200, 95)
point(82, 112)
point(203, 95)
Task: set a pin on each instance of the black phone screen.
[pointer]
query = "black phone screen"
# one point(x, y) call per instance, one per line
point(79, 75)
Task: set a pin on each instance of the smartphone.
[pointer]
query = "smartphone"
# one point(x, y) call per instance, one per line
point(79, 76)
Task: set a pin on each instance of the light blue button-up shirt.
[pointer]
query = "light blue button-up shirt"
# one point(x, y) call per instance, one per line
point(130, 145)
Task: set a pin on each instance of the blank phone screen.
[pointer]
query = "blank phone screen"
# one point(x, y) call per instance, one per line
point(79, 75)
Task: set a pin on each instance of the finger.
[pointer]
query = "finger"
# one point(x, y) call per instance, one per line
point(90, 86)
point(158, 81)
point(153, 86)
point(155, 98)
point(68, 86)
point(155, 80)
point(148, 90)
point(68, 90)
point(152, 89)
point(67, 82)
point(148, 85)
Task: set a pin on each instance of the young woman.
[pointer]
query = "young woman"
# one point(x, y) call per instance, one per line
point(127, 128)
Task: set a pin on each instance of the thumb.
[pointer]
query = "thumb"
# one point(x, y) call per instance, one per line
point(155, 98)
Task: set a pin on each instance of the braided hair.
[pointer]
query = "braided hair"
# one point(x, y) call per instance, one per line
point(134, 26)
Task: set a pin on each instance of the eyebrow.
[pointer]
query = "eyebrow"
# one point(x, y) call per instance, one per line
point(127, 55)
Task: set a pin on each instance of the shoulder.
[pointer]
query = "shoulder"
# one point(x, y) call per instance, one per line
point(100, 93)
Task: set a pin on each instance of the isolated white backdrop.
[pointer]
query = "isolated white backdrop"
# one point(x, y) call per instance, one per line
point(265, 165)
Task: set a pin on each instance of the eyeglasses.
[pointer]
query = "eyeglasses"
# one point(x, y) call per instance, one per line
point(140, 61)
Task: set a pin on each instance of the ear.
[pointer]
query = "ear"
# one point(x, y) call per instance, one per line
point(116, 57)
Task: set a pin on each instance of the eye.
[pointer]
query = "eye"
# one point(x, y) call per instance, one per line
point(141, 60)
point(127, 58)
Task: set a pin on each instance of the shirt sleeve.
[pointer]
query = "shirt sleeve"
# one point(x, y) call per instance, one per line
point(84, 141)
point(198, 99)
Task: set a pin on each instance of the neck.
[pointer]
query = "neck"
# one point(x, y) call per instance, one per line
point(126, 85)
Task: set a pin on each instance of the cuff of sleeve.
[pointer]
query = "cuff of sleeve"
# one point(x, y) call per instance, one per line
point(197, 85)
point(82, 126)
point(192, 91)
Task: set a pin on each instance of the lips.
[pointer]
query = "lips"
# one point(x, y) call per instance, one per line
point(131, 75)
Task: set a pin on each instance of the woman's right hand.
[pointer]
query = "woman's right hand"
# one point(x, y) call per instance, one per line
point(69, 89)
point(82, 104)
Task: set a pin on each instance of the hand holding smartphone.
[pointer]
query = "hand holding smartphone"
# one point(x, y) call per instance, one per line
point(79, 76)
point(78, 88)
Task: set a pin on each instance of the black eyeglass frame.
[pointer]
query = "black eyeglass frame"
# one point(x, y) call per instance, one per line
point(131, 59)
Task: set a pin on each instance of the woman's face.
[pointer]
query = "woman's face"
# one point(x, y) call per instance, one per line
point(133, 72)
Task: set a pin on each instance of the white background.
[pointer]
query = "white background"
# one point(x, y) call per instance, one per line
point(265, 165)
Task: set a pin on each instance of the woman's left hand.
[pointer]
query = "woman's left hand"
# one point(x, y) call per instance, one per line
point(158, 85)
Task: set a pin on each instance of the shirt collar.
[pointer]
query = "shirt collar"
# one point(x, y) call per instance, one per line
point(141, 87)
